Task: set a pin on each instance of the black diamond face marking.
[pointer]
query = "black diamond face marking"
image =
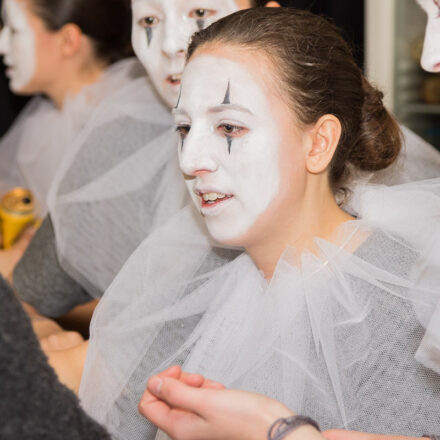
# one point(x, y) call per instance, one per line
point(149, 35)
point(200, 24)
point(229, 140)
point(182, 143)
point(227, 98)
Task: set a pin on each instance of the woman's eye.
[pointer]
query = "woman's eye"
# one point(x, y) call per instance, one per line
point(232, 130)
point(183, 130)
point(202, 13)
point(147, 22)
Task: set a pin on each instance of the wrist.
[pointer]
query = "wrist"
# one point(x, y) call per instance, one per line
point(305, 432)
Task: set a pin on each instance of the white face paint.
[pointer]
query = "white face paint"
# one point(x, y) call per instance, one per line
point(230, 145)
point(161, 33)
point(17, 45)
point(431, 47)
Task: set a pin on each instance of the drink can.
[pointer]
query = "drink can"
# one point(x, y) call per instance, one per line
point(17, 211)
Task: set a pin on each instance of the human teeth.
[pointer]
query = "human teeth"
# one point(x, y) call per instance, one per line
point(211, 197)
point(176, 77)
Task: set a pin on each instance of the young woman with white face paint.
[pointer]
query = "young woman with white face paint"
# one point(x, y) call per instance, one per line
point(137, 182)
point(160, 34)
point(275, 119)
point(62, 56)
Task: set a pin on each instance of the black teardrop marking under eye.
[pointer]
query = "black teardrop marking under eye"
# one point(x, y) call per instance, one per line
point(149, 35)
point(178, 99)
point(227, 98)
point(200, 24)
point(229, 140)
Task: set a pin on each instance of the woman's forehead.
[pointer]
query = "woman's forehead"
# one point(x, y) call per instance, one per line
point(213, 78)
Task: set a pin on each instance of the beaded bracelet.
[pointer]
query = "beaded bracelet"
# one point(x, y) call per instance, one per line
point(281, 427)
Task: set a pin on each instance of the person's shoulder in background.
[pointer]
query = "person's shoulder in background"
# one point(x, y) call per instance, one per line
point(33, 404)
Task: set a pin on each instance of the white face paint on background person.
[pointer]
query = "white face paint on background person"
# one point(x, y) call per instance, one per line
point(240, 151)
point(431, 48)
point(161, 33)
point(17, 45)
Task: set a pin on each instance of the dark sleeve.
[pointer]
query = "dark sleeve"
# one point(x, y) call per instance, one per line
point(40, 280)
point(33, 403)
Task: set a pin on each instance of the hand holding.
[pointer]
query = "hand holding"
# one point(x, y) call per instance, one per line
point(204, 410)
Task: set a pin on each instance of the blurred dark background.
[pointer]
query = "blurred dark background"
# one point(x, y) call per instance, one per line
point(349, 15)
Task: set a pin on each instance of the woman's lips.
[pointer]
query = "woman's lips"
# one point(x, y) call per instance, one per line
point(211, 199)
point(174, 79)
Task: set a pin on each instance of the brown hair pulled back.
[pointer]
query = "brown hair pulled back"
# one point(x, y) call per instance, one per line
point(106, 22)
point(318, 72)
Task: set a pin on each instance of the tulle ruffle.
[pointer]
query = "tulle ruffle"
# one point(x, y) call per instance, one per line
point(333, 334)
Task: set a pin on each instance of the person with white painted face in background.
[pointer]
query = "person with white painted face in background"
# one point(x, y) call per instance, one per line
point(63, 52)
point(121, 178)
point(71, 61)
point(325, 309)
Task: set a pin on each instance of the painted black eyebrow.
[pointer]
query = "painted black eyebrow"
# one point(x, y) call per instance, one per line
point(227, 98)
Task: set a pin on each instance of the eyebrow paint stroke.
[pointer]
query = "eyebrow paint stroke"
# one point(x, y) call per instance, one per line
point(149, 35)
point(227, 98)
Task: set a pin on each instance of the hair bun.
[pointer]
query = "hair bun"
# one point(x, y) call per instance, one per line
point(380, 139)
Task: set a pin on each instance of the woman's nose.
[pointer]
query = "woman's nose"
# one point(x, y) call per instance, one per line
point(195, 158)
point(175, 41)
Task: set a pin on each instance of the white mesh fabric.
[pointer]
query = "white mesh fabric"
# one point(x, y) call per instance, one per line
point(418, 160)
point(33, 149)
point(120, 180)
point(332, 335)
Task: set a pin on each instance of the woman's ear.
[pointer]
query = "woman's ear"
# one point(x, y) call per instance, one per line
point(325, 139)
point(71, 39)
point(272, 5)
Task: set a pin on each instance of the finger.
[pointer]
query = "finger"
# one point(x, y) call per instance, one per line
point(153, 409)
point(174, 371)
point(25, 237)
point(192, 380)
point(213, 385)
point(61, 341)
point(177, 394)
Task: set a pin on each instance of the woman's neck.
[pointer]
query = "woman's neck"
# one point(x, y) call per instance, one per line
point(72, 81)
point(319, 217)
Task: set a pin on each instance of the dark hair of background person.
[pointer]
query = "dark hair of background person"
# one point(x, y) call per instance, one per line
point(315, 67)
point(106, 22)
point(348, 15)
